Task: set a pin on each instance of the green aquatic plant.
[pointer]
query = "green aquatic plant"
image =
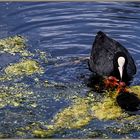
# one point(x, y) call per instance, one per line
point(14, 45)
point(17, 44)
point(16, 95)
point(73, 117)
point(97, 134)
point(135, 89)
point(83, 110)
point(79, 114)
point(25, 67)
point(125, 128)
point(107, 109)
point(42, 55)
point(40, 133)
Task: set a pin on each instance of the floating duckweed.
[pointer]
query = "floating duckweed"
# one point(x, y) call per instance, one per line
point(126, 128)
point(43, 56)
point(27, 67)
point(33, 105)
point(20, 134)
point(75, 116)
point(15, 103)
point(43, 133)
point(81, 112)
point(97, 134)
point(35, 129)
point(107, 109)
point(131, 118)
point(4, 78)
point(136, 90)
point(26, 53)
point(2, 136)
point(14, 96)
point(14, 45)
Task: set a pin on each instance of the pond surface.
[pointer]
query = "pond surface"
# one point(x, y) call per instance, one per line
point(65, 31)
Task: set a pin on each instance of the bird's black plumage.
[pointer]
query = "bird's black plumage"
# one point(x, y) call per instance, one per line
point(103, 58)
point(128, 101)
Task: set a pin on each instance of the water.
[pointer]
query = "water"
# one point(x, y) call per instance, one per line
point(66, 30)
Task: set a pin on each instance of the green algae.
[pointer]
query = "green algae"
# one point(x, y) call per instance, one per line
point(25, 67)
point(126, 128)
point(107, 109)
point(3, 136)
point(14, 45)
point(136, 90)
point(80, 113)
point(74, 117)
point(42, 55)
point(33, 129)
point(40, 133)
point(97, 134)
point(20, 134)
point(83, 110)
point(15, 95)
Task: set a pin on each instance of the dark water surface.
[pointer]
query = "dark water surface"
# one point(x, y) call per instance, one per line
point(65, 30)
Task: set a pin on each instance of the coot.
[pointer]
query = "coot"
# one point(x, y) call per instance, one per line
point(109, 58)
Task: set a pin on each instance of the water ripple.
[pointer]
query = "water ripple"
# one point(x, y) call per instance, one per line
point(67, 24)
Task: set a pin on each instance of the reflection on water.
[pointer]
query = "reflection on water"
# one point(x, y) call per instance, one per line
point(65, 31)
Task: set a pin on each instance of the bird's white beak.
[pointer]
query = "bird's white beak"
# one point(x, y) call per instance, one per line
point(121, 62)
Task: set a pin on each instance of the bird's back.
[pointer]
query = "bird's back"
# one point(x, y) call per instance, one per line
point(102, 54)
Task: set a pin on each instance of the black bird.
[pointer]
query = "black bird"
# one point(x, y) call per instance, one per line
point(128, 101)
point(109, 58)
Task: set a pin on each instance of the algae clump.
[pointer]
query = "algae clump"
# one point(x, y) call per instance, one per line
point(25, 67)
point(43, 133)
point(73, 117)
point(14, 45)
point(136, 90)
point(15, 95)
point(81, 112)
point(107, 109)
